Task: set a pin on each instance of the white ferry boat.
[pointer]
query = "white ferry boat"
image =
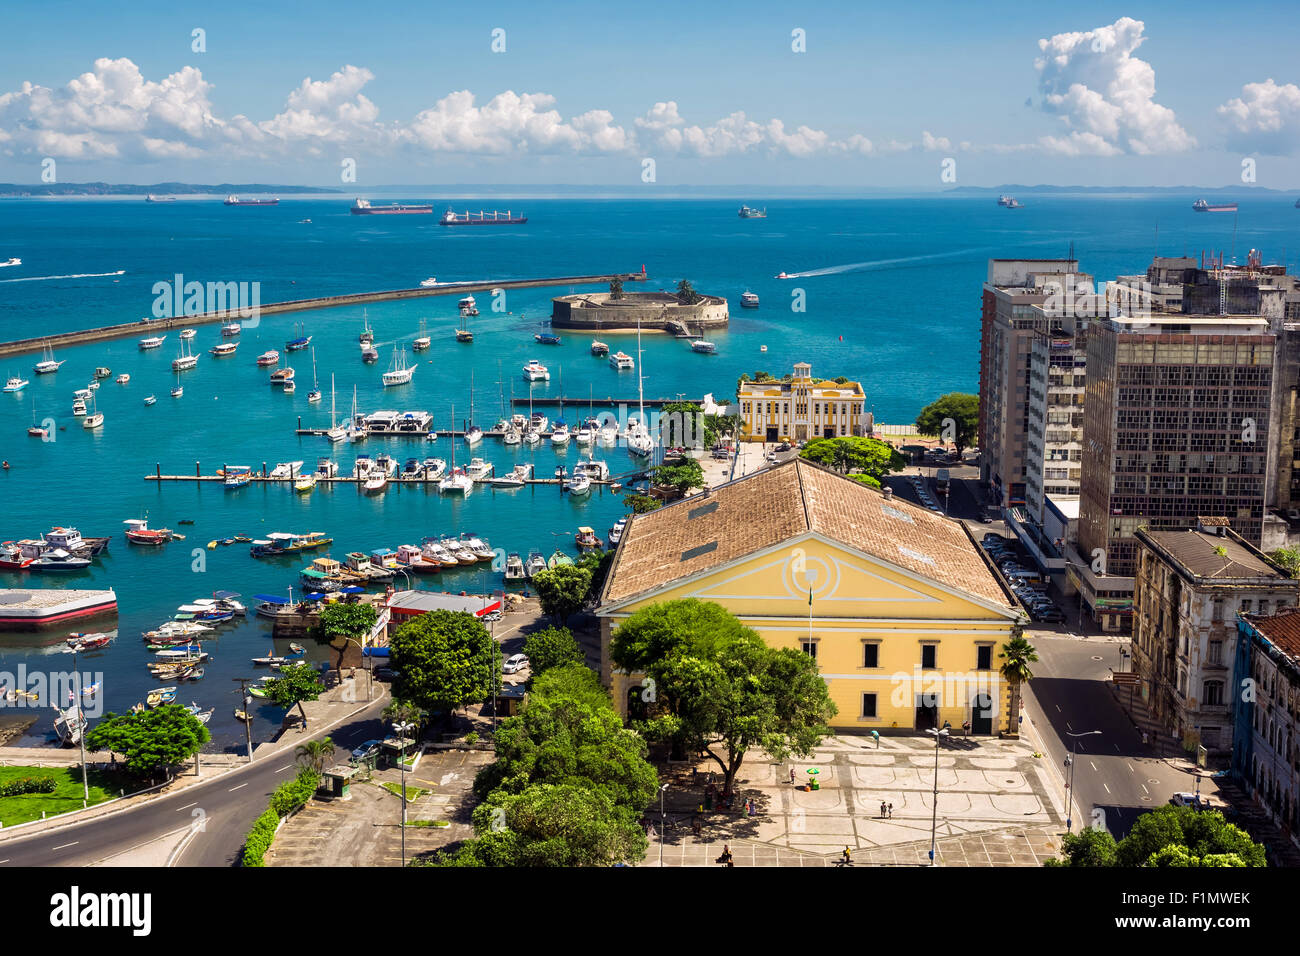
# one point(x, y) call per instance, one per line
point(535, 371)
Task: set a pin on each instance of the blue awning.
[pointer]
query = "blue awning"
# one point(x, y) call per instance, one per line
point(315, 596)
point(271, 599)
point(374, 652)
point(351, 589)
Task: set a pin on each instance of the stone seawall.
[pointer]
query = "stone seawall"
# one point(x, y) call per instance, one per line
point(656, 311)
point(155, 326)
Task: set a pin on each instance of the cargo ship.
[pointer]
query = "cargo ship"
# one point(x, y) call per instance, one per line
point(362, 207)
point(42, 607)
point(233, 200)
point(1202, 206)
point(748, 212)
point(480, 218)
point(152, 198)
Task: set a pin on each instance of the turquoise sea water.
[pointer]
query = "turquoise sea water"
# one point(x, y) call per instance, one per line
point(892, 291)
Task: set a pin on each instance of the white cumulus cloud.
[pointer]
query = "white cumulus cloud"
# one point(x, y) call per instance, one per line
point(1104, 95)
point(1264, 119)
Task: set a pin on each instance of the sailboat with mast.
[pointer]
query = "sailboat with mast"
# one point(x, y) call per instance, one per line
point(367, 335)
point(356, 433)
point(455, 481)
point(314, 395)
point(337, 432)
point(639, 441)
point(473, 434)
point(399, 372)
point(422, 340)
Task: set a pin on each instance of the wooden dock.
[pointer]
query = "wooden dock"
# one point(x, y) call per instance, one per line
point(264, 478)
point(156, 326)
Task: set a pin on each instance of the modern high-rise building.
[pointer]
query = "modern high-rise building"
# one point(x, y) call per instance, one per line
point(1176, 425)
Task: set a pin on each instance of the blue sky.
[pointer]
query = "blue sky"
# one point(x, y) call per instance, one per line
point(1147, 94)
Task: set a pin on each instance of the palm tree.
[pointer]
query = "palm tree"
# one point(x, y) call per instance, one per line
point(315, 754)
point(404, 712)
point(1018, 654)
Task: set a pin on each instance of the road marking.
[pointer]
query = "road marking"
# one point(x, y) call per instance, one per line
point(233, 789)
point(4, 861)
point(1130, 768)
point(1092, 765)
point(195, 803)
point(1058, 708)
point(65, 846)
point(1117, 748)
point(284, 768)
point(1107, 788)
point(1144, 788)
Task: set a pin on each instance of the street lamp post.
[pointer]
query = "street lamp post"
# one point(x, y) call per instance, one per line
point(402, 728)
point(1069, 786)
point(79, 720)
point(662, 790)
point(938, 734)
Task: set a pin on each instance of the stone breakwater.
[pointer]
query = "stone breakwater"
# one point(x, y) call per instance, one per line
point(152, 326)
point(656, 311)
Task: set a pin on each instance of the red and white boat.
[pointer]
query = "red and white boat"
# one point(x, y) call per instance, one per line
point(12, 558)
point(269, 358)
point(82, 641)
point(139, 532)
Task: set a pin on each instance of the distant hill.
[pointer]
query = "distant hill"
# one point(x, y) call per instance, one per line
point(1013, 188)
point(162, 189)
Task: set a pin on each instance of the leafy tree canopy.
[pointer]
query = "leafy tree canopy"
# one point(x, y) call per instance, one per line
point(1288, 558)
point(562, 591)
point(347, 619)
point(443, 659)
point(296, 683)
point(686, 293)
point(552, 647)
point(152, 740)
point(954, 418)
point(866, 457)
point(575, 681)
point(640, 504)
point(1201, 833)
point(682, 477)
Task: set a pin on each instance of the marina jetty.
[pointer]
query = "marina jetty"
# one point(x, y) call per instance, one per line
point(102, 333)
point(655, 311)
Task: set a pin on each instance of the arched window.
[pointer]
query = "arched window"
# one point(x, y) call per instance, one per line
point(1212, 693)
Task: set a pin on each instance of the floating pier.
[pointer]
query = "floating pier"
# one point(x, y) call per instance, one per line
point(126, 329)
point(265, 478)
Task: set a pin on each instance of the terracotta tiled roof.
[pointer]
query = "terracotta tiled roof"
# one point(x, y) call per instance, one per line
point(1282, 628)
point(777, 504)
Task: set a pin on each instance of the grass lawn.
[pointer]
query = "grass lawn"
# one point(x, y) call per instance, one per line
point(67, 796)
point(429, 823)
point(412, 793)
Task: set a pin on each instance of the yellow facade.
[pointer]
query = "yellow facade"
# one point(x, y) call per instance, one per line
point(802, 409)
point(858, 602)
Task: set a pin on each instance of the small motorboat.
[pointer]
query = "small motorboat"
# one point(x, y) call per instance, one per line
point(103, 372)
point(231, 330)
point(189, 333)
point(79, 641)
point(296, 649)
point(242, 715)
point(271, 659)
point(783, 275)
point(163, 695)
point(599, 348)
point(150, 399)
point(122, 379)
point(587, 539)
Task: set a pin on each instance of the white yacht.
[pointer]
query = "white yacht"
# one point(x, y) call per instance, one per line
point(399, 372)
point(286, 469)
point(609, 434)
point(231, 330)
point(586, 433)
point(532, 436)
point(189, 333)
point(473, 435)
point(94, 419)
point(748, 300)
point(700, 345)
point(456, 483)
point(152, 342)
point(428, 283)
point(595, 470)
point(376, 483)
point(434, 469)
point(621, 361)
point(538, 422)
point(560, 433)
point(511, 435)
point(47, 364)
point(535, 371)
point(78, 406)
point(15, 384)
point(433, 550)
point(578, 484)
point(479, 469)
point(517, 478)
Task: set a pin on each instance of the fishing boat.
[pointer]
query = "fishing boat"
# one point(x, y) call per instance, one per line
point(163, 695)
point(413, 559)
point(599, 349)
point(514, 567)
point(558, 559)
point(1202, 206)
point(621, 361)
point(290, 388)
point(242, 715)
point(535, 371)
point(69, 725)
point(150, 399)
point(296, 650)
point(259, 689)
point(560, 433)
point(279, 543)
point(535, 564)
point(139, 532)
point(202, 716)
point(152, 342)
point(270, 357)
point(47, 364)
point(122, 379)
point(231, 330)
point(587, 539)
point(748, 300)
point(399, 371)
point(15, 384)
point(298, 342)
point(81, 641)
point(546, 338)
point(237, 476)
point(270, 658)
point(12, 557)
point(223, 349)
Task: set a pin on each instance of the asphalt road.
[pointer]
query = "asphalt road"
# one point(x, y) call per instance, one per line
point(1114, 772)
point(227, 805)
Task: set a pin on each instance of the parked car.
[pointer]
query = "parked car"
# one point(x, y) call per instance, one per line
point(514, 663)
point(385, 673)
point(784, 446)
point(365, 751)
point(1187, 799)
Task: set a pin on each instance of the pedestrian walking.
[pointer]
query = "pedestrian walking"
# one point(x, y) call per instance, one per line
point(891, 811)
point(882, 809)
point(965, 727)
point(792, 770)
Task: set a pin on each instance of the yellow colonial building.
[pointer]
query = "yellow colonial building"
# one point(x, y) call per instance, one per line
point(906, 618)
point(802, 408)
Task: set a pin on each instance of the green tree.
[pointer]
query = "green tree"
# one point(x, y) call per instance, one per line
point(681, 477)
point(598, 563)
point(343, 619)
point(550, 825)
point(1089, 847)
point(686, 293)
point(865, 457)
point(1288, 559)
point(718, 688)
point(954, 417)
point(152, 740)
point(315, 755)
point(1017, 654)
point(1201, 833)
point(552, 647)
point(641, 504)
point(573, 681)
point(562, 591)
point(687, 425)
point(565, 740)
point(616, 288)
point(295, 684)
point(443, 659)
